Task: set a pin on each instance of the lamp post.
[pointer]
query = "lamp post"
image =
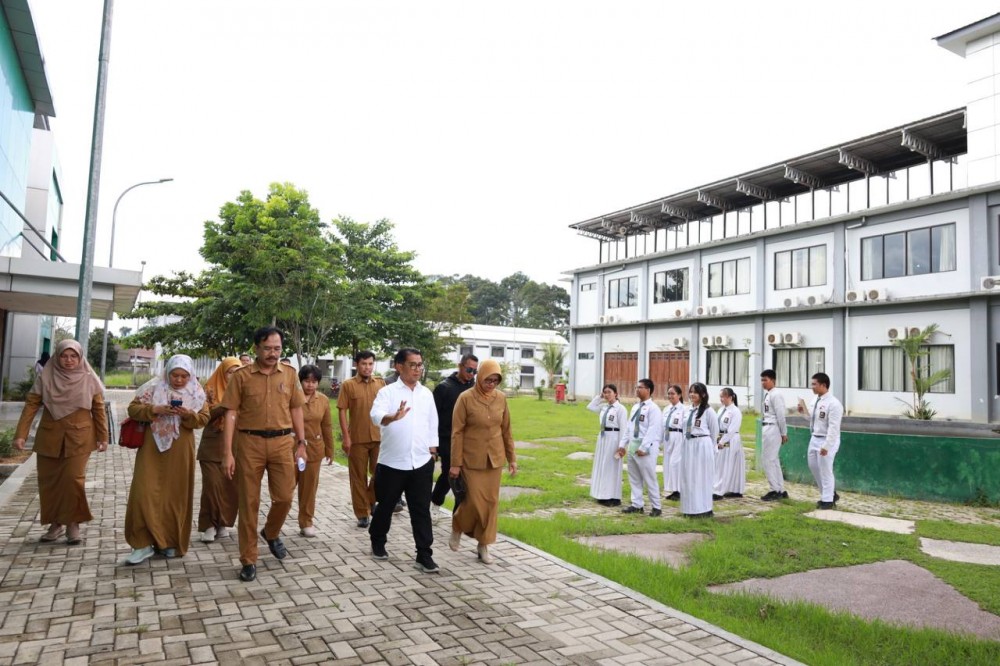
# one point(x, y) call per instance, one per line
point(111, 260)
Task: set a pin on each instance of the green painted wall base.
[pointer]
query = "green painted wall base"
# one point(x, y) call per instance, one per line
point(954, 469)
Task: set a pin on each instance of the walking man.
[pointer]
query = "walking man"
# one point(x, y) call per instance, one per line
point(825, 416)
point(445, 396)
point(361, 437)
point(405, 412)
point(643, 450)
point(266, 400)
point(774, 433)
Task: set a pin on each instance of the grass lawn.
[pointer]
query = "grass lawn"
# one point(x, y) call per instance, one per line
point(769, 544)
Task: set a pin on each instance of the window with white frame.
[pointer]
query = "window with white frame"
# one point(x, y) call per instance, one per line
point(887, 369)
point(585, 356)
point(795, 367)
point(623, 292)
point(728, 367)
point(527, 369)
point(914, 252)
point(670, 286)
point(496, 351)
point(803, 267)
point(465, 349)
point(729, 278)
point(587, 286)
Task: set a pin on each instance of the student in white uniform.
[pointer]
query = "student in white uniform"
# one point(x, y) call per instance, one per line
point(673, 442)
point(825, 416)
point(774, 433)
point(730, 464)
point(701, 432)
point(606, 475)
point(645, 431)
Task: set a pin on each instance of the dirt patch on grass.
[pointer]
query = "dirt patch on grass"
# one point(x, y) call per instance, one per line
point(15, 458)
point(671, 549)
point(507, 492)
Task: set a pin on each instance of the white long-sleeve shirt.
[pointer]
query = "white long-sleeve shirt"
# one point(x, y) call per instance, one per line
point(647, 416)
point(730, 420)
point(406, 443)
point(673, 419)
point(707, 425)
point(825, 415)
point(774, 411)
point(614, 417)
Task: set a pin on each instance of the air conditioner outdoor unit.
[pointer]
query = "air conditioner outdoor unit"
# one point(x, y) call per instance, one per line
point(877, 295)
point(680, 312)
point(721, 341)
point(612, 319)
point(702, 310)
point(900, 332)
point(990, 283)
point(717, 310)
point(603, 319)
point(854, 296)
point(814, 300)
point(791, 302)
point(774, 339)
point(680, 343)
point(793, 339)
point(706, 341)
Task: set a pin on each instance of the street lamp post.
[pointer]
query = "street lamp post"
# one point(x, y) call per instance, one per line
point(111, 260)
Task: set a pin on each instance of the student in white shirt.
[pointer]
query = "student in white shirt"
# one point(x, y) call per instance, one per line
point(646, 431)
point(701, 432)
point(673, 442)
point(407, 417)
point(774, 433)
point(730, 463)
point(606, 475)
point(825, 416)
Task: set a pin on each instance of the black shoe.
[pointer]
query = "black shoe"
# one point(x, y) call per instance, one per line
point(772, 496)
point(363, 522)
point(826, 505)
point(399, 506)
point(427, 564)
point(604, 502)
point(707, 514)
point(784, 494)
point(276, 546)
point(379, 552)
point(733, 495)
point(655, 513)
point(836, 497)
point(614, 502)
point(716, 498)
point(674, 496)
point(633, 509)
point(248, 573)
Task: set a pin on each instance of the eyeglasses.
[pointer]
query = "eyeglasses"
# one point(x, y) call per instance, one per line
point(414, 366)
point(491, 380)
point(471, 371)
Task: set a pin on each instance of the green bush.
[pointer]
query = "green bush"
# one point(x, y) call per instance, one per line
point(19, 391)
point(6, 443)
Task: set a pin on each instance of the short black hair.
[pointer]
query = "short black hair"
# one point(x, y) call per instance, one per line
point(247, 354)
point(770, 374)
point(307, 371)
point(822, 378)
point(468, 357)
point(264, 332)
point(363, 354)
point(648, 383)
point(405, 353)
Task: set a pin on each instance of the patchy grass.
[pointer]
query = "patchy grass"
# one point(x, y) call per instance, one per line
point(940, 529)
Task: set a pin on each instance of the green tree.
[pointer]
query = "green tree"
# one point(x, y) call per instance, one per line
point(914, 347)
point(516, 301)
point(551, 360)
point(94, 350)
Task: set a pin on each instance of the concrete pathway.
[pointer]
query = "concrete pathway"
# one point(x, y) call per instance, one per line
point(328, 602)
point(894, 525)
point(960, 551)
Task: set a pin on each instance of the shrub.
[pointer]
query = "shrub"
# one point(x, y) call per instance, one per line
point(6, 443)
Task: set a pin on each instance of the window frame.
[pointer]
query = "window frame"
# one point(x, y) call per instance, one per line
point(685, 285)
point(906, 383)
point(809, 267)
point(732, 365)
point(876, 269)
point(729, 267)
point(631, 292)
point(811, 368)
point(502, 354)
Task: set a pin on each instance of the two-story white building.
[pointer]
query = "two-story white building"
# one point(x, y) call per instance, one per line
point(814, 264)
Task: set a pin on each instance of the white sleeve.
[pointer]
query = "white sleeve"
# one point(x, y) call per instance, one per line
point(833, 419)
point(595, 404)
point(654, 429)
point(778, 405)
point(432, 422)
point(713, 424)
point(381, 407)
point(623, 431)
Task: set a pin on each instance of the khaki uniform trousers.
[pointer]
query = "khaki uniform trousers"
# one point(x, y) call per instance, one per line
point(361, 469)
point(254, 455)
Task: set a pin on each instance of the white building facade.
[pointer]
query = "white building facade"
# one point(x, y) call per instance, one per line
point(815, 264)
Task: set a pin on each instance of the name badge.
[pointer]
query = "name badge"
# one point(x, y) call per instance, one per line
point(677, 421)
point(822, 415)
point(725, 421)
point(642, 417)
point(611, 419)
point(697, 423)
point(767, 407)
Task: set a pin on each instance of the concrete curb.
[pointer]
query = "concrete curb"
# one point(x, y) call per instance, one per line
point(12, 485)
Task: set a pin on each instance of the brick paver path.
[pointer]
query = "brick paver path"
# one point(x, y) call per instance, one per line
point(329, 602)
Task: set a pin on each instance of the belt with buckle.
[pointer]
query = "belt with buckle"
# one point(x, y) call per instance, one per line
point(676, 429)
point(268, 434)
point(612, 429)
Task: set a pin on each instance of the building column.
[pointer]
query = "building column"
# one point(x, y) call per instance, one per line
point(979, 348)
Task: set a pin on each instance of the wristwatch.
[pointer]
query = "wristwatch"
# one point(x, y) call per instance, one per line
point(303, 442)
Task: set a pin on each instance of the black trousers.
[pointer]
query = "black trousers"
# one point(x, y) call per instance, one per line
point(443, 486)
point(390, 485)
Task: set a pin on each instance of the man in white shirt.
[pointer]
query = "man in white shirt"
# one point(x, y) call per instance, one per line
point(825, 416)
point(407, 417)
point(774, 433)
point(646, 426)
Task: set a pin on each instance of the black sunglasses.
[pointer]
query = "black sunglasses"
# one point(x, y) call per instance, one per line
point(471, 371)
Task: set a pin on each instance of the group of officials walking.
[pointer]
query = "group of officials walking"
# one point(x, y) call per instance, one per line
point(703, 458)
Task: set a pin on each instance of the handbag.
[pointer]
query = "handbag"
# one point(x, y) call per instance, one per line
point(132, 434)
point(459, 488)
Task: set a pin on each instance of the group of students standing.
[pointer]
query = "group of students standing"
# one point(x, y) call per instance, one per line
point(703, 459)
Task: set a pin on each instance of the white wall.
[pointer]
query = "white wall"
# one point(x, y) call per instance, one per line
point(587, 303)
point(982, 61)
point(621, 340)
point(585, 378)
point(775, 299)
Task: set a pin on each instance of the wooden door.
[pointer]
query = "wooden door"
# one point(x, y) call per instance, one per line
point(666, 368)
point(622, 370)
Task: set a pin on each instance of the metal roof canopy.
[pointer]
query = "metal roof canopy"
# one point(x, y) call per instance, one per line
point(51, 288)
point(22, 29)
point(939, 137)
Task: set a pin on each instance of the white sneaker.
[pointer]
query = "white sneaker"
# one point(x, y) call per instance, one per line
point(140, 555)
point(435, 513)
point(308, 531)
point(208, 536)
point(221, 532)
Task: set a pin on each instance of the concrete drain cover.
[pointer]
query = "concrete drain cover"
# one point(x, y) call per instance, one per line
point(957, 551)
point(895, 591)
point(670, 549)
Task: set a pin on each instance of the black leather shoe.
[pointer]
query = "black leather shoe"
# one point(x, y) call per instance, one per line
point(772, 496)
point(733, 495)
point(277, 547)
point(655, 513)
point(248, 573)
point(399, 506)
point(632, 509)
point(836, 497)
point(363, 522)
point(784, 494)
point(716, 498)
point(826, 505)
point(674, 496)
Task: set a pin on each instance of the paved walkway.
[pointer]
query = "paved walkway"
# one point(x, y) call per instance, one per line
point(327, 603)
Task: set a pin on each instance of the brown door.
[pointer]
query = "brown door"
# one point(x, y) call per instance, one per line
point(666, 368)
point(622, 370)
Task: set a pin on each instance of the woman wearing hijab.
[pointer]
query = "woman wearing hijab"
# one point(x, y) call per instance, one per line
point(319, 445)
point(480, 441)
point(219, 501)
point(606, 475)
point(701, 432)
point(73, 424)
point(158, 517)
point(730, 464)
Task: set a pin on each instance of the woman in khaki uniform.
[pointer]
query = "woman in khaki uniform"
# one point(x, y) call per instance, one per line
point(73, 424)
point(219, 501)
point(158, 516)
point(480, 442)
point(319, 444)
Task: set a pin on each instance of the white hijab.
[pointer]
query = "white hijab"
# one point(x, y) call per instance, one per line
point(157, 391)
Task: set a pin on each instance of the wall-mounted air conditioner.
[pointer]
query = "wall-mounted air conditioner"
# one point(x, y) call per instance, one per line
point(610, 319)
point(813, 300)
point(879, 294)
point(791, 302)
point(680, 313)
point(900, 332)
point(603, 319)
point(716, 310)
point(792, 339)
point(702, 310)
point(775, 339)
point(721, 341)
point(854, 296)
point(990, 283)
point(707, 341)
point(680, 343)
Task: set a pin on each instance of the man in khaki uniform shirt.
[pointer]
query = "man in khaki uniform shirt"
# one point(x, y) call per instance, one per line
point(265, 398)
point(362, 437)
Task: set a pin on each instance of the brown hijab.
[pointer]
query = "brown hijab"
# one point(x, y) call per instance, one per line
point(487, 368)
point(216, 385)
point(65, 391)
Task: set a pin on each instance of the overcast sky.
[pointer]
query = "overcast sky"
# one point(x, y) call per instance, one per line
point(481, 129)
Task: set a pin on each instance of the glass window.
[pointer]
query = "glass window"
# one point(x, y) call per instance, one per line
point(728, 367)
point(804, 267)
point(795, 367)
point(496, 351)
point(587, 286)
point(623, 292)
point(817, 265)
point(585, 356)
point(918, 252)
point(782, 270)
point(527, 369)
point(743, 276)
point(715, 280)
point(894, 258)
point(800, 268)
point(943, 248)
point(670, 286)
point(527, 352)
point(871, 258)
point(726, 278)
point(465, 349)
point(886, 368)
